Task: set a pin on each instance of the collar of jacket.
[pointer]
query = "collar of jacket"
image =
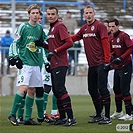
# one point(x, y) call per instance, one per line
point(117, 33)
point(52, 24)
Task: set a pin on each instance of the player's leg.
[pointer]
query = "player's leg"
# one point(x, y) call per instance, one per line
point(17, 101)
point(104, 92)
point(125, 74)
point(93, 91)
point(118, 96)
point(22, 81)
point(47, 89)
point(21, 110)
point(54, 112)
point(35, 81)
point(63, 99)
point(39, 102)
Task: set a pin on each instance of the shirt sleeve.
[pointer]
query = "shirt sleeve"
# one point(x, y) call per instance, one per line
point(44, 56)
point(106, 50)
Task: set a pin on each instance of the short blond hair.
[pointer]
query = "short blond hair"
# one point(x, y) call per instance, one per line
point(33, 6)
point(88, 6)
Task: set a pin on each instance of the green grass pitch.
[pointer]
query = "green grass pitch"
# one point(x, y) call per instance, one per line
point(82, 107)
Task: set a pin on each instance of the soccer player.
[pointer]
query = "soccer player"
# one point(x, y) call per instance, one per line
point(47, 88)
point(111, 72)
point(46, 76)
point(27, 59)
point(58, 43)
point(97, 50)
point(122, 48)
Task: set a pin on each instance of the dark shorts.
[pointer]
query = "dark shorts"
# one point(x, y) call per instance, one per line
point(122, 80)
point(97, 82)
point(58, 76)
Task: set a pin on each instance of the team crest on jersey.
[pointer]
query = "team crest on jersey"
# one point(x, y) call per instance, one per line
point(92, 28)
point(31, 46)
point(118, 40)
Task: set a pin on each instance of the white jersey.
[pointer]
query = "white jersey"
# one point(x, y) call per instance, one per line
point(46, 77)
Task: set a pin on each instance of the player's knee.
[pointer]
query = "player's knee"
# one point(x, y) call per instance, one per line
point(31, 92)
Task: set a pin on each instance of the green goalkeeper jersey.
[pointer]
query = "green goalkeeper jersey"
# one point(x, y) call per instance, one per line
point(24, 44)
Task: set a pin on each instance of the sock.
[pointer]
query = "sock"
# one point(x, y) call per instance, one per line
point(45, 100)
point(29, 106)
point(101, 103)
point(54, 105)
point(21, 108)
point(60, 109)
point(98, 106)
point(118, 102)
point(106, 103)
point(54, 112)
point(40, 103)
point(132, 109)
point(16, 103)
point(66, 102)
point(128, 104)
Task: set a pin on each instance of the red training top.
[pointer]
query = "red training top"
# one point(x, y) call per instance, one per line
point(121, 46)
point(96, 44)
point(60, 40)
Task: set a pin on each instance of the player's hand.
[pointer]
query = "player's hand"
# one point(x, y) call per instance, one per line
point(19, 63)
point(106, 66)
point(12, 61)
point(47, 67)
point(117, 60)
point(50, 54)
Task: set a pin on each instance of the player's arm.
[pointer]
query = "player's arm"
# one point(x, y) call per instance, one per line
point(75, 38)
point(128, 52)
point(14, 49)
point(68, 43)
point(129, 45)
point(43, 41)
point(44, 51)
point(106, 49)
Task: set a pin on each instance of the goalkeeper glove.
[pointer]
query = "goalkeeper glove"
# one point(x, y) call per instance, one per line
point(50, 54)
point(19, 63)
point(117, 60)
point(106, 66)
point(12, 61)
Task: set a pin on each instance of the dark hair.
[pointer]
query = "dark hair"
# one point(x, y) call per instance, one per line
point(69, 12)
point(106, 21)
point(7, 32)
point(114, 20)
point(51, 8)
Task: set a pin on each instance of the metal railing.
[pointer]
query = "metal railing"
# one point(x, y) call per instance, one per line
point(4, 62)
